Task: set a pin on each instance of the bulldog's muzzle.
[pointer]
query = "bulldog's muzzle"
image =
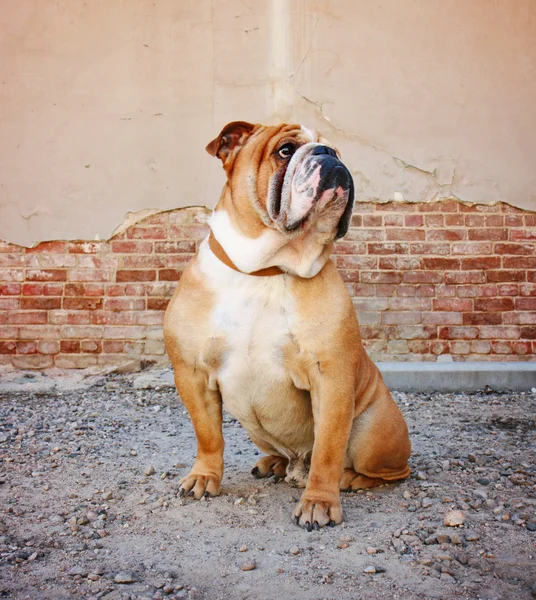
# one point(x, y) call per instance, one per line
point(315, 182)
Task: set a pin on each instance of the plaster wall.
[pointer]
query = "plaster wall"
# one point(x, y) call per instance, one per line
point(106, 105)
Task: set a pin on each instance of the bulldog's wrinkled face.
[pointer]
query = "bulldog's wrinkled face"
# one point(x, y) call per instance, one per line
point(291, 177)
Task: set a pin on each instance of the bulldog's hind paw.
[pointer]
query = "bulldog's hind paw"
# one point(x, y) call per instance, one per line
point(199, 485)
point(314, 512)
point(270, 466)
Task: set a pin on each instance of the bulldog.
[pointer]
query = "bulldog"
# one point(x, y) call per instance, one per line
point(262, 324)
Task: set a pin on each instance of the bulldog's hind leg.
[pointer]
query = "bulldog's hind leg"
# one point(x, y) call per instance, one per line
point(379, 446)
point(270, 466)
point(205, 409)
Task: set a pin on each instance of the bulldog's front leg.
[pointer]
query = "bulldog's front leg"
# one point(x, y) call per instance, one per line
point(332, 397)
point(205, 409)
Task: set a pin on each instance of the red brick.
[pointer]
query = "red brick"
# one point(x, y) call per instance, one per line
point(481, 347)
point(137, 275)
point(445, 291)
point(482, 318)
point(370, 305)
point(413, 220)
point(88, 247)
point(108, 261)
point(372, 220)
point(55, 246)
point(175, 247)
point(349, 276)
point(460, 347)
point(400, 318)
point(442, 318)
point(89, 275)
point(32, 289)
point(388, 248)
point(75, 361)
point(10, 289)
point(131, 246)
point(438, 348)
point(531, 276)
point(453, 304)
point(9, 303)
point(91, 346)
point(481, 262)
point(395, 206)
point(149, 232)
point(504, 248)
point(410, 303)
point(157, 303)
point(124, 332)
point(500, 332)
point(112, 346)
point(84, 289)
point(356, 221)
point(48, 347)
point(381, 277)
point(188, 233)
point(445, 235)
point(120, 304)
point(504, 275)
point(440, 206)
point(366, 235)
point(434, 220)
point(150, 317)
point(135, 289)
point(342, 261)
point(518, 235)
point(404, 291)
point(474, 220)
point(513, 221)
point(442, 264)
point(114, 318)
point(458, 333)
point(425, 290)
point(365, 289)
point(486, 233)
point(48, 303)
point(34, 361)
point(63, 317)
point(26, 347)
point(74, 303)
point(454, 220)
point(46, 275)
point(27, 318)
point(493, 304)
point(416, 332)
point(527, 289)
point(472, 248)
point(501, 347)
point(7, 247)
point(528, 333)
point(526, 303)
point(479, 208)
point(147, 261)
point(494, 221)
point(7, 275)
point(15, 260)
point(54, 261)
point(430, 248)
point(508, 289)
point(81, 332)
point(70, 346)
point(383, 290)
point(8, 347)
point(521, 348)
point(422, 277)
point(53, 289)
point(418, 347)
point(393, 220)
point(519, 262)
point(402, 263)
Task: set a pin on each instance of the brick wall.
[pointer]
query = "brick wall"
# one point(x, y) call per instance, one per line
point(426, 279)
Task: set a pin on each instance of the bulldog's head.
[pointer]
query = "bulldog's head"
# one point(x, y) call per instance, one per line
point(287, 198)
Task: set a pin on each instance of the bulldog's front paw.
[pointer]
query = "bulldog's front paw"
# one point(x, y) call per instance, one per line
point(316, 510)
point(198, 484)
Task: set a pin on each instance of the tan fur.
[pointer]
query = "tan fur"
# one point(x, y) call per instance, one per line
point(312, 400)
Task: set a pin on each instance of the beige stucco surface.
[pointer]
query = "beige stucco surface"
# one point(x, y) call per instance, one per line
point(106, 105)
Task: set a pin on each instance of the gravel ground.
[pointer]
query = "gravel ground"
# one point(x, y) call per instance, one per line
point(89, 508)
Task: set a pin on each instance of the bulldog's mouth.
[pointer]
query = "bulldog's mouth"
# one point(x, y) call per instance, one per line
point(316, 183)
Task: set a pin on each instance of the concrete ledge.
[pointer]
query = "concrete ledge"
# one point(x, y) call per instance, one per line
point(458, 376)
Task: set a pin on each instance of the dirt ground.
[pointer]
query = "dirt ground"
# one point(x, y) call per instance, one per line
point(82, 515)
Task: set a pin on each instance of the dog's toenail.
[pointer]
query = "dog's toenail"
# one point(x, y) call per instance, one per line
point(308, 526)
point(316, 525)
point(331, 523)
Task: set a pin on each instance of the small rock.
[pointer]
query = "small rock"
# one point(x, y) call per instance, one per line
point(483, 481)
point(372, 569)
point(426, 502)
point(343, 545)
point(531, 525)
point(76, 571)
point(125, 577)
point(150, 470)
point(133, 453)
point(243, 549)
point(248, 565)
point(472, 537)
point(421, 476)
point(107, 496)
point(371, 550)
point(447, 578)
point(454, 518)
point(294, 550)
point(168, 588)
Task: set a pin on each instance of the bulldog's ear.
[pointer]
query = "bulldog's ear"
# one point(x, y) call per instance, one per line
point(232, 135)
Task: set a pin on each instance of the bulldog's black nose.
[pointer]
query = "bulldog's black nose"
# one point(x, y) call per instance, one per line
point(323, 150)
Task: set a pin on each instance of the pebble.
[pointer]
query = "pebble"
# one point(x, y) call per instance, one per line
point(248, 565)
point(133, 453)
point(294, 550)
point(454, 518)
point(76, 570)
point(150, 470)
point(125, 577)
point(371, 550)
point(107, 496)
point(426, 502)
point(243, 549)
point(371, 569)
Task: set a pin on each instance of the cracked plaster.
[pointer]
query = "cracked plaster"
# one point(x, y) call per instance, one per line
point(107, 106)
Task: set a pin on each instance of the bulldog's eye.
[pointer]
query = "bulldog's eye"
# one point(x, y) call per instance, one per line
point(286, 151)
